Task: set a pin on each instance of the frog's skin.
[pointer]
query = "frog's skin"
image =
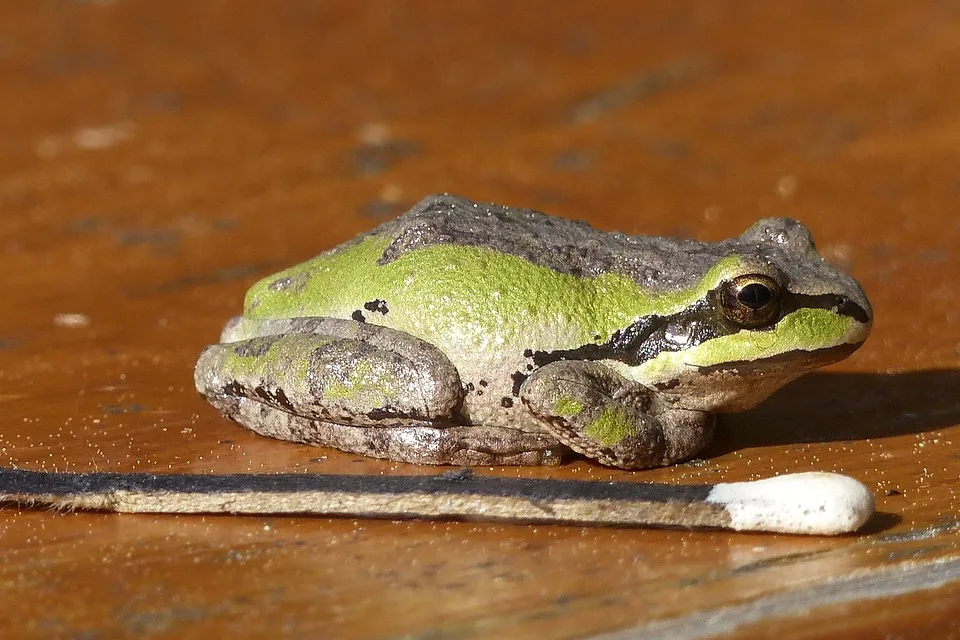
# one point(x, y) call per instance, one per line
point(474, 334)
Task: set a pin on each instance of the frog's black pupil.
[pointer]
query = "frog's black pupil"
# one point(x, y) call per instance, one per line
point(755, 296)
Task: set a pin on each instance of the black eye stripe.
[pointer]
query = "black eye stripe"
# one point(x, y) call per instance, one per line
point(645, 339)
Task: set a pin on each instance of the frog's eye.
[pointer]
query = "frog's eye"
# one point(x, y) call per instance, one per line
point(751, 301)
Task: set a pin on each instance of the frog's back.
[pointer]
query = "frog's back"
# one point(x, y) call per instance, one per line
point(470, 261)
point(565, 246)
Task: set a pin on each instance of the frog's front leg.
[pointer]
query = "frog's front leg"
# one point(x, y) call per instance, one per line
point(357, 387)
point(597, 412)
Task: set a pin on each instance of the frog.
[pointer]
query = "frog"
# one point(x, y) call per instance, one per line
point(473, 334)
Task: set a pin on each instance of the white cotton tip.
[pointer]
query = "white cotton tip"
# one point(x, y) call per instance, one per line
point(811, 503)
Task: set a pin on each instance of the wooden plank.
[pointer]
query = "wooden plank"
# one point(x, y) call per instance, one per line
point(156, 158)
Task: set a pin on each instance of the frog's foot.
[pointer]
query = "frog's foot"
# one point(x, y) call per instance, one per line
point(595, 411)
point(372, 376)
point(425, 443)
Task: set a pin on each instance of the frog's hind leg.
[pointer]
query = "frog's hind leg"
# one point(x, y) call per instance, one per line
point(358, 387)
point(333, 370)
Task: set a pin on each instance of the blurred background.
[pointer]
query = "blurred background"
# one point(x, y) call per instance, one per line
point(692, 115)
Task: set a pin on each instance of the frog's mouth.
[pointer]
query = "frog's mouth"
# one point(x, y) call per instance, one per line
point(790, 362)
point(740, 385)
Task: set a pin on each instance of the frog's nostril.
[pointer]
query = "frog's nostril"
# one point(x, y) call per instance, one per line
point(847, 307)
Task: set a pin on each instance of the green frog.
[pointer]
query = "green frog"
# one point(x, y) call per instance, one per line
point(476, 334)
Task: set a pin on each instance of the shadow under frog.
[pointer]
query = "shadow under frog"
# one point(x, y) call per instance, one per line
point(834, 407)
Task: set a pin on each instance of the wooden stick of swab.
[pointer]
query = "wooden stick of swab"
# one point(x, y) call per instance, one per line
point(808, 503)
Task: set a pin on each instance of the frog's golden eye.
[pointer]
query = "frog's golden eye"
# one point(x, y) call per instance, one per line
point(751, 301)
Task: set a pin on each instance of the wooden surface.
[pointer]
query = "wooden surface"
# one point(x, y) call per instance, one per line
point(157, 157)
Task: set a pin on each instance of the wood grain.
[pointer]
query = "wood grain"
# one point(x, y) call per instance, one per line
point(156, 158)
